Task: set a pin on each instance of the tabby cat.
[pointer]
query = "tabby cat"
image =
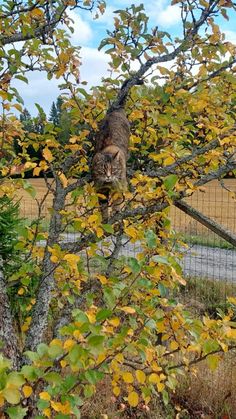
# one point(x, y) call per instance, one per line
point(109, 161)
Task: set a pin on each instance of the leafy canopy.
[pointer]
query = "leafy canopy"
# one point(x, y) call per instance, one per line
point(85, 311)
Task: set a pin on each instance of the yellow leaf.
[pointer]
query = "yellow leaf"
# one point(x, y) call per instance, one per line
point(30, 165)
point(37, 171)
point(231, 333)
point(232, 300)
point(54, 259)
point(44, 395)
point(160, 387)
point(116, 391)
point(63, 180)
point(120, 358)
point(168, 161)
point(47, 412)
point(174, 345)
point(37, 13)
point(131, 232)
point(154, 378)
point(133, 399)
point(2, 400)
point(136, 114)
point(68, 344)
point(127, 377)
point(72, 260)
point(27, 391)
point(128, 310)
point(141, 376)
point(99, 232)
point(102, 279)
point(115, 321)
point(21, 291)
point(57, 342)
point(47, 154)
point(93, 218)
point(63, 363)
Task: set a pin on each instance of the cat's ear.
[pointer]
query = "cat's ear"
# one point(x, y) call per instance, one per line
point(116, 156)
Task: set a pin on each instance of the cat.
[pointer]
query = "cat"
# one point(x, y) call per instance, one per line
point(109, 161)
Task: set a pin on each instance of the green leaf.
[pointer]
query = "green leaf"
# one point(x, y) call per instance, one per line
point(108, 228)
point(28, 188)
point(22, 78)
point(88, 391)
point(4, 363)
point(33, 356)
point(53, 378)
point(161, 259)
point(213, 361)
point(54, 351)
point(76, 353)
point(15, 378)
point(95, 340)
point(93, 376)
point(209, 346)
point(16, 412)
point(42, 349)
point(43, 404)
point(151, 239)
point(30, 372)
point(163, 290)
point(12, 395)
point(103, 314)
point(165, 397)
point(170, 182)
point(134, 265)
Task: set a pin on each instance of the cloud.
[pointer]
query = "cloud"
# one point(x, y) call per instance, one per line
point(162, 13)
point(94, 65)
point(43, 91)
point(82, 31)
point(230, 36)
point(169, 16)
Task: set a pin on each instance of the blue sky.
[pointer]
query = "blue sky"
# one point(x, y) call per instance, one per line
point(89, 32)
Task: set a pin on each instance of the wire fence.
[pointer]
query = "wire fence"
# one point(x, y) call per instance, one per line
point(207, 255)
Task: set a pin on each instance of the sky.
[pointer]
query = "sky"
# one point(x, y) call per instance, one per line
point(89, 32)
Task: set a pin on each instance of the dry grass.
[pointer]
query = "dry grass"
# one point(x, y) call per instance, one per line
point(215, 202)
point(209, 394)
point(202, 394)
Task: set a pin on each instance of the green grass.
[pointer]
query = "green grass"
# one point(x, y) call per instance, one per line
point(210, 241)
point(205, 295)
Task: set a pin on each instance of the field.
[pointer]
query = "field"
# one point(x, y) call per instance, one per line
point(213, 201)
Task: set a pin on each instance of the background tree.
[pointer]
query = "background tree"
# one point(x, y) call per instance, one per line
point(93, 313)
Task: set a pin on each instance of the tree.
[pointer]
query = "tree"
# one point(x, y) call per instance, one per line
point(87, 313)
point(53, 115)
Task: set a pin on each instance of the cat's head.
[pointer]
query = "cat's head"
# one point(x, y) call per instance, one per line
point(108, 168)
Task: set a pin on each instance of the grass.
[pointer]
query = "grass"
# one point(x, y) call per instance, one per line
point(208, 394)
point(205, 295)
point(209, 241)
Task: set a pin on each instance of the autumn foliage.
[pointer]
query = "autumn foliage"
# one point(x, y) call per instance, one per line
point(75, 312)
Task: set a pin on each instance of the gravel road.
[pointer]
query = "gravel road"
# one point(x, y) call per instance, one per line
point(210, 262)
point(198, 261)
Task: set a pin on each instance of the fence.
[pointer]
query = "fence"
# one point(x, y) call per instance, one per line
point(207, 255)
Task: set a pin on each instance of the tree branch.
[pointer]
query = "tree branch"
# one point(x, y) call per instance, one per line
point(135, 78)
